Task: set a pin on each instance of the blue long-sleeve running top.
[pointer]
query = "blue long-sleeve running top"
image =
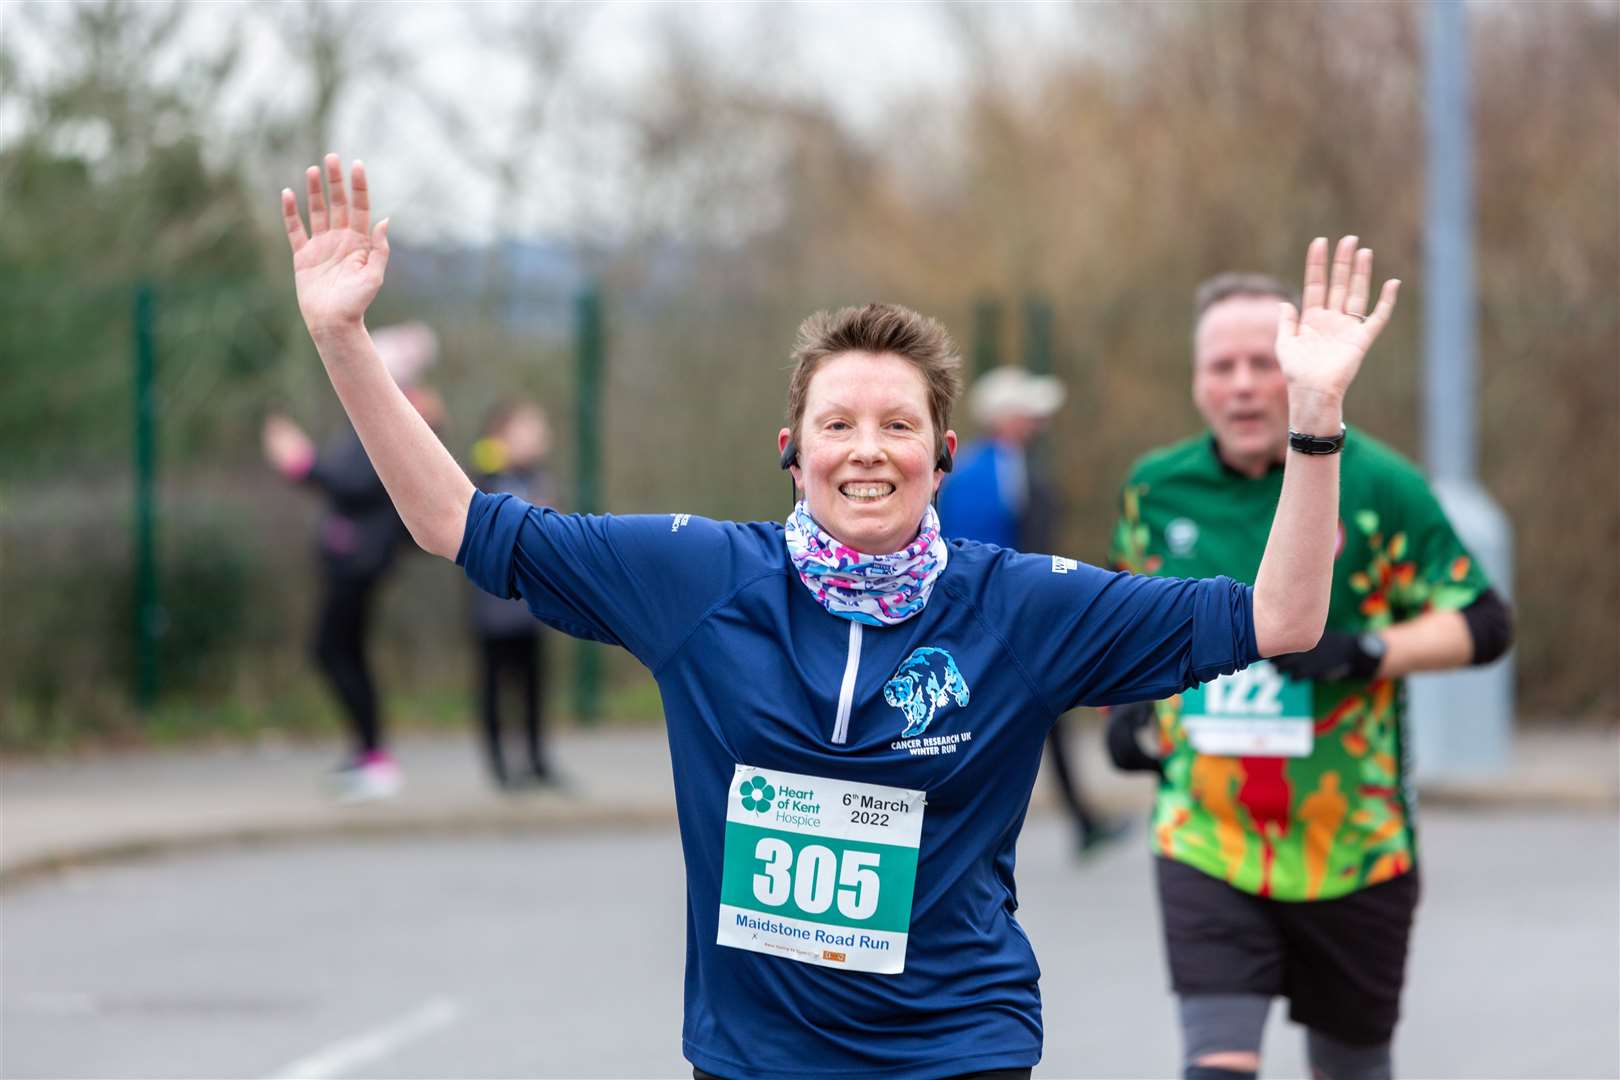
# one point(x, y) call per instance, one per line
point(849, 796)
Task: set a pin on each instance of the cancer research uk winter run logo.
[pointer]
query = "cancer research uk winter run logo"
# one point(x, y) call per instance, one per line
point(757, 794)
point(928, 681)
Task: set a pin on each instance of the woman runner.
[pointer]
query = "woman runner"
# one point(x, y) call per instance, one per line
point(856, 707)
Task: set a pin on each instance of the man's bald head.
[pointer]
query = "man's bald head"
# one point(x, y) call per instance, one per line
point(1237, 383)
point(1225, 286)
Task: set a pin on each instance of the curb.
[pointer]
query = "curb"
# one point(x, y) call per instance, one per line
point(1474, 795)
point(1546, 797)
point(437, 824)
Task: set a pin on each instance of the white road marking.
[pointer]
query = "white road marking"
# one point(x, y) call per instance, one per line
point(379, 1042)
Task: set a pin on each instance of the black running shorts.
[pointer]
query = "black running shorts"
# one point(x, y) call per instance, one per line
point(1340, 963)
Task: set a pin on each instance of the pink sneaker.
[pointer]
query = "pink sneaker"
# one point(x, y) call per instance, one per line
point(372, 776)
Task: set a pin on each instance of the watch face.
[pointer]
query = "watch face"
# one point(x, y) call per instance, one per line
point(1372, 644)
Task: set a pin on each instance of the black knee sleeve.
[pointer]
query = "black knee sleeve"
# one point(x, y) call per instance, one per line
point(1339, 1060)
point(1217, 1023)
point(1215, 1072)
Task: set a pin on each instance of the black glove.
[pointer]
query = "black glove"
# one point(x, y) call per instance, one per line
point(1337, 656)
point(1133, 737)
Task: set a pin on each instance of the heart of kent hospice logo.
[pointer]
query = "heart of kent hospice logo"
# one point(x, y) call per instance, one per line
point(757, 794)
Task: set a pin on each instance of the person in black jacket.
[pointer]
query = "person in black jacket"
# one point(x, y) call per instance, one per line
point(356, 542)
point(510, 457)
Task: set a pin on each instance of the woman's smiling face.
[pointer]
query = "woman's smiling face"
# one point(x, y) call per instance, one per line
point(867, 450)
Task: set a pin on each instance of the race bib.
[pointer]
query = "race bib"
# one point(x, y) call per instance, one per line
point(1255, 712)
point(819, 871)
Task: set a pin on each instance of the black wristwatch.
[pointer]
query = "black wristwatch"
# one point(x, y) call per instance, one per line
point(1316, 444)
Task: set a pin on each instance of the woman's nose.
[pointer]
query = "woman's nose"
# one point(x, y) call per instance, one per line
point(867, 447)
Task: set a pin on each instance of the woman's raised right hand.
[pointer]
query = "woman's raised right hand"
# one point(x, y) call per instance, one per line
point(338, 264)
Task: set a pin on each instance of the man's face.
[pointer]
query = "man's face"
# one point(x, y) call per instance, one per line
point(866, 450)
point(1237, 384)
point(1016, 429)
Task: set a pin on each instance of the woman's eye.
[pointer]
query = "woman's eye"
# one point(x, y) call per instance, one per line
point(837, 425)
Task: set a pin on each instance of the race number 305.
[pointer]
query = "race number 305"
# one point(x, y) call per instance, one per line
point(818, 870)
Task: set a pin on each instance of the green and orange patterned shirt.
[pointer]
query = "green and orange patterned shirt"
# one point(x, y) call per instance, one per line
point(1322, 809)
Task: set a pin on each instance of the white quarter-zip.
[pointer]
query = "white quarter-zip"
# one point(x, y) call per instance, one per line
point(846, 692)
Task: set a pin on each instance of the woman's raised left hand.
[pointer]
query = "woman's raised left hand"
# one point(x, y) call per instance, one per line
point(338, 265)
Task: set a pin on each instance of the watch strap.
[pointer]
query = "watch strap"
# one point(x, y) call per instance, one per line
point(1316, 444)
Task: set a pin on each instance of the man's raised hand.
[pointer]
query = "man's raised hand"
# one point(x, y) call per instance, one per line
point(338, 264)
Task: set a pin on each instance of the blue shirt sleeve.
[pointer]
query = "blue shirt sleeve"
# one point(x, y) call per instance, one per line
point(1087, 636)
point(642, 581)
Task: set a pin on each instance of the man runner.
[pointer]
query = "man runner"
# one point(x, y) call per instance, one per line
point(1283, 836)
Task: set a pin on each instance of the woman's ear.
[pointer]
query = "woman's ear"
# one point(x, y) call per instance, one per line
point(789, 451)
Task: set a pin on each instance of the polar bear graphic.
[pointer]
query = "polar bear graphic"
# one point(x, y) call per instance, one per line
point(927, 680)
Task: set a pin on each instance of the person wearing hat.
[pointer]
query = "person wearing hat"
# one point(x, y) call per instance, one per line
point(991, 496)
point(356, 541)
point(995, 496)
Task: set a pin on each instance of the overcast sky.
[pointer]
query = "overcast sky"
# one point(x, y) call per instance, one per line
point(860, 58)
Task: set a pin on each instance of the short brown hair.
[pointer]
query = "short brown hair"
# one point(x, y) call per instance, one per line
point(1225, 286)
point(879, 328)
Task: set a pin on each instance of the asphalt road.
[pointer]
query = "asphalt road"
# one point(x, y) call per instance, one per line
point(561, 955)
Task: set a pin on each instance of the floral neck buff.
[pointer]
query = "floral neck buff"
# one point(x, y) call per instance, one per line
point(879, 590)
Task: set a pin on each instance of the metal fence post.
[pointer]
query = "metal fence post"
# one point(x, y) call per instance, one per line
point(1038, 361)
point(148, 608)
point(588, 342)
point(986, 335)
point(1037, 335)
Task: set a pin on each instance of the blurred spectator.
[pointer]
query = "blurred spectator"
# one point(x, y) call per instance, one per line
point(356, 542)
point(998, 494)
point(511, 457)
